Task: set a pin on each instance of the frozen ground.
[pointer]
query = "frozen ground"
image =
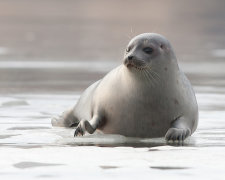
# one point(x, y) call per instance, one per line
point(31, 149)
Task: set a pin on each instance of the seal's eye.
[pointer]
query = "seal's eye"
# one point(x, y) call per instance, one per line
point(148, 50)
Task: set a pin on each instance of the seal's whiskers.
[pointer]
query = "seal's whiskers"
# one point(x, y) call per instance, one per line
point(146, 76)
point(155, 74)
point(150, 77)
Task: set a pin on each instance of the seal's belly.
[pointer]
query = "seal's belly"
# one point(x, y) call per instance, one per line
point(136, 120)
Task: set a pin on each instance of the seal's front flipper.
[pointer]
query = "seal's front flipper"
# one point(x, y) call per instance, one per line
point(87, 126)
point(177, 134)
point(179, 130)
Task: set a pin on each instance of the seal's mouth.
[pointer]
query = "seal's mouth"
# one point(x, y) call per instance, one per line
point(134, 66)
point(137, 64)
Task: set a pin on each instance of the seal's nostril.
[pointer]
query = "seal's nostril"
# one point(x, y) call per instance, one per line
point(130, 57)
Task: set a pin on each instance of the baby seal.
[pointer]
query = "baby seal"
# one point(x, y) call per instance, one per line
point(147, 96)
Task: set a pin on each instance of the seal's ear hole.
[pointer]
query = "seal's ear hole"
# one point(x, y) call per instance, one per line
point(162, 46)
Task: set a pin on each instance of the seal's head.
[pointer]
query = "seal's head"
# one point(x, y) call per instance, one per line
point(148, 50)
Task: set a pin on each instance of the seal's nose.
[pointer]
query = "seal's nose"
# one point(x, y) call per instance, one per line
point(130, 57)
point(129, 60)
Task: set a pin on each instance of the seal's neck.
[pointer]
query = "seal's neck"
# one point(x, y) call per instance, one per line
point(150, 77)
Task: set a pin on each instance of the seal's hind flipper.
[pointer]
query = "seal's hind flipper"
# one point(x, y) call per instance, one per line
point(67, 119)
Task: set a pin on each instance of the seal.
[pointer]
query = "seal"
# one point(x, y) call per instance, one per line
point(147, 96)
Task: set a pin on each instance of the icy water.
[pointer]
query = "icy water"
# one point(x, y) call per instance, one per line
point(50, 51)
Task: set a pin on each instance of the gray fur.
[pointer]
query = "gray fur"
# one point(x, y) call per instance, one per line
point(147, 96)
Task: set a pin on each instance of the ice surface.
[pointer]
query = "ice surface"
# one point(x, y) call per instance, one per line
point(32, 149)
point(96, 66)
